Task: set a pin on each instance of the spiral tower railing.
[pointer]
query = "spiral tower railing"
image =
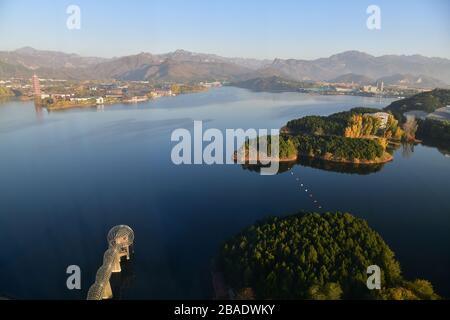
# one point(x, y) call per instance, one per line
point(120, 238)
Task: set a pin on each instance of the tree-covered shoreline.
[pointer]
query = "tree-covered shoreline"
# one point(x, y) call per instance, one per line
point(426, 101)
point(314, 256)
point(357, 136)
point(437, 130)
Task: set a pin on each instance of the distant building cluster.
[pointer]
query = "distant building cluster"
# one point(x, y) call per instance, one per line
point(378, 88)
point(97, 93)
point(158, 93)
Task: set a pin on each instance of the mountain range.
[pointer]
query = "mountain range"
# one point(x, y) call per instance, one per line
point(185, 66)
point(408, 80)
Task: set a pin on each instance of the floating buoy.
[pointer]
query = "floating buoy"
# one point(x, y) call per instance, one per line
point(311, 196)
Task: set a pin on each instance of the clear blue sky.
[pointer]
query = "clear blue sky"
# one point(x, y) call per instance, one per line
point(246, 28)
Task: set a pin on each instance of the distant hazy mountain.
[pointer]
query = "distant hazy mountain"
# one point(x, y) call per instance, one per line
point(355, 78)
point(9, 70)
point(182, 65)
point(363, 64)
point(176, 66)
point(34, 59)
point(183, 55)
point(126, 67)
point(409, 80)
point(179, 65)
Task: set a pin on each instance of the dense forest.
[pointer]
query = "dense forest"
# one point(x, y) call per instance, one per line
point(314, 256)
point(338, 148)
point(332, 148)
point(355, 123)
point(287, 148)
point(334, 124)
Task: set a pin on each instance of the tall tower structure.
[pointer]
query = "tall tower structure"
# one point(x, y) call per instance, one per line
point(36, 86)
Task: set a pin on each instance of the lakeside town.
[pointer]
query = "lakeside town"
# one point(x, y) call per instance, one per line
point(57, 94)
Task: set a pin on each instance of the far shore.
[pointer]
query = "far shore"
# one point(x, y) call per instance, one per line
point(78, 105)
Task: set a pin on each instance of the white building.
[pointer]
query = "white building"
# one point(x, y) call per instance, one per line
point(382, 116)
point(370, 89)
point(80, 99)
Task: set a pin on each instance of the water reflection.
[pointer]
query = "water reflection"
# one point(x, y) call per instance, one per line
point(80, 173)
point(442, 146)
point(39, 111)
point(407, 150)
point(348, 168)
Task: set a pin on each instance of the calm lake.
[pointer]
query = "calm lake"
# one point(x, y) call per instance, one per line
point(67, 177)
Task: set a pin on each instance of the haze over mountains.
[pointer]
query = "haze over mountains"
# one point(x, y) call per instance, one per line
point(408, 80)
point(184, 66)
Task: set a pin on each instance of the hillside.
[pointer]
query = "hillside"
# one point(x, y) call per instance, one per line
point(426, 101)
point(362, 64)
point(177, 66)
point(33, 59)
point(314, 256)
point(272, 84)
point(411, 81)
point(8, 70)
point(182, 65)
point(355, 78)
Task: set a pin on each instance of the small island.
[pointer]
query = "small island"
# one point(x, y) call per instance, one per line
point(314, 256)
point(358, 136)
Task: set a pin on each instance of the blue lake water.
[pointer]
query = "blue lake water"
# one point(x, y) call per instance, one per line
point(69, 176)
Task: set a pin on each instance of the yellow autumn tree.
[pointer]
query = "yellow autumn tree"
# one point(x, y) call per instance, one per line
point(354, 127)
point(393, 130)
point(360, 126)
